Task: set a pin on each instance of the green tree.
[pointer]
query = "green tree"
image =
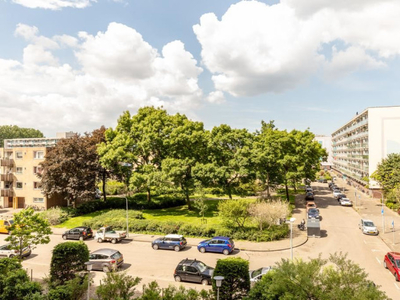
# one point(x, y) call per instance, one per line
point(15, 132)
point(387, 173)
point(117, 286)
point(72, 289)
point(28, 229)
point(236, 283)
point(140, 141)
point(335, 278)
point(234, 213)
point(15, 283)
point(68, 258)
point(230, 153)
point(199, 202)
point(153, 292)
point(71, 169)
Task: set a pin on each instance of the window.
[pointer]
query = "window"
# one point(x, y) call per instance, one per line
point(38, 154)
point(19, 185)
point(18, 155)
point(38, 200)
point(19, 170)
point(37, 170)
point(36, 185)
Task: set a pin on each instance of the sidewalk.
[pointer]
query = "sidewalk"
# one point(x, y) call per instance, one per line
point(371, 208)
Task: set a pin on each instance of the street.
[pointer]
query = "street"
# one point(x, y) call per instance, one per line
point(339, 232)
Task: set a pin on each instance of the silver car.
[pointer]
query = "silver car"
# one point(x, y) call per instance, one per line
point(6, 251)
point(106, 259)
point(255, 275)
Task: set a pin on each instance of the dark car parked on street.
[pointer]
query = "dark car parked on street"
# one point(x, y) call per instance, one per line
point(194, 271)
point(171, 241)
point(309, 196)
point(313, 213)
point(220, 244)
point(78, 233)
point(106, 259)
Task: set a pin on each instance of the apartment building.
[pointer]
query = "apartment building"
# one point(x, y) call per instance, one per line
point(19, 168)
point(360, 145)
point(326, 143)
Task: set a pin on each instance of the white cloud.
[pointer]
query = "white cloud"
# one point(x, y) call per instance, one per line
point(119, 71)
point(54, 4)
point(216, 97)
point(256, 48)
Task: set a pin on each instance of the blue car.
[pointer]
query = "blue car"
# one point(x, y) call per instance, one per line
point(313, 213)
point(171, 241)
point(219, 244)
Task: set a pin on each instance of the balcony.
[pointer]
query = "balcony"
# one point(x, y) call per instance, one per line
point(6, 177)
point(7, 193)
point(6, 162)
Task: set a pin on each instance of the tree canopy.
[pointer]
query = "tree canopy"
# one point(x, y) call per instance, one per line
point(387, 173)
point(15, 132)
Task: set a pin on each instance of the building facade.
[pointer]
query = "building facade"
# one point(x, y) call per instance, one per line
point(19, 168)
point(360, 145)
point(326, 143)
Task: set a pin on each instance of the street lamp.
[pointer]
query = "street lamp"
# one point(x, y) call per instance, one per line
point(218, 283)
point(291, 237)
point(88, 268)
point(382, 211)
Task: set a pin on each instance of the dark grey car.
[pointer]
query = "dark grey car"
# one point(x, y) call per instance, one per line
point(106, 259)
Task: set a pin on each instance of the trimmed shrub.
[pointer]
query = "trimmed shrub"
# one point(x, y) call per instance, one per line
point(55, 215)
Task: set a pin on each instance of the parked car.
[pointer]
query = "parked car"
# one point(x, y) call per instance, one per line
point(171, 241)
point(220, 244)
point(336, 193)
point(368, 227)
point(309, 196)
point(255, 275)
point(5, 225)
point(106, 259)
point(109, 235)
point(194, 271)
point(309, 190)
point(313, 213)
point(340, 196)
point(391, 261)
point(78, 233)
point(345, 202)
point(310, 204)
point(6, 251)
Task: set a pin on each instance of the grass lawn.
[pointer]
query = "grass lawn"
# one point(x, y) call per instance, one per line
point(78, 221)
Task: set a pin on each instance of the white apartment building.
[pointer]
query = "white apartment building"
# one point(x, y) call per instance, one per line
point(326, 143)
point(360, 145)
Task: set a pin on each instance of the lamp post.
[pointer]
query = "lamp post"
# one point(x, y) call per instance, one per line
point(89, 268)
point(382, 211)
point(125, 164)
point(291, 237)
point(218, 283)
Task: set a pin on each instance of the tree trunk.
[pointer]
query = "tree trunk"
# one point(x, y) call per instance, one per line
point(104, 185)
point(229, 190)
point(268, 188)
point(148, 195)
point(287, 191)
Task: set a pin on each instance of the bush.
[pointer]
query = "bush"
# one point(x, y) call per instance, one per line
point(55, 215)
point(114, 187)
point(117, 286)
point(71, 289)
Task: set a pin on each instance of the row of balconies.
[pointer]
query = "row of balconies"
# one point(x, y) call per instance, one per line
point(6, 162)
point(363, 120)
point(7, 193)
point(6, 177)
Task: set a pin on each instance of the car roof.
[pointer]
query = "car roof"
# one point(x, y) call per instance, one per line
point(107, 251)
point(346, 199)
point(366, 220)
point(221, 237)
point(177, 236)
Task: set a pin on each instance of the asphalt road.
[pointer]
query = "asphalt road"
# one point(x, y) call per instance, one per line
point(339, 228)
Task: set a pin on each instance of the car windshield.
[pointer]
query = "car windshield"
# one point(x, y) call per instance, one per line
point(256, 273)
point(11, 222)
point(116, 255)
point(201, 266)
point(398, 263)
point(313, 210)
point(369, 224)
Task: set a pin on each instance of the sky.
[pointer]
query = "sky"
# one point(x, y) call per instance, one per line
point(75, 65)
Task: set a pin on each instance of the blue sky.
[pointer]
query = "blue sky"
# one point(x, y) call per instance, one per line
point(74, 65)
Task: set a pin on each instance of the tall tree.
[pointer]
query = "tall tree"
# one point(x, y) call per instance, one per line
point(135, 149)
point(28, 229)
point(387, 173)
point(71, 169)
point(15, 132)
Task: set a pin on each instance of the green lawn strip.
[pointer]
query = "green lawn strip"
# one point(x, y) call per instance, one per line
point(78, 221)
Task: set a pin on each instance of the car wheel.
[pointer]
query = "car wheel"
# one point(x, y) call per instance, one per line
point(64, 237)
point(106, 269)
point(81, 238)
point(155, 247)
point(178, 278)
point(11, 256)
point(113, 241)
point(99, 240)
point(204, 282)
point(225, 252)
point(176, 248)
point(202, 250)
point(385, 265)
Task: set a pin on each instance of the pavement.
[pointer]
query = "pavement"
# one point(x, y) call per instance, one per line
point(388, 222)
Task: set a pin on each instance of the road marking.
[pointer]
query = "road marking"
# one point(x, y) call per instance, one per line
point(395, 284)
point(379, 261)
point(377, 250)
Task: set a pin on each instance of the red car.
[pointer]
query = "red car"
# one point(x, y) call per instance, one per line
point(392, 262)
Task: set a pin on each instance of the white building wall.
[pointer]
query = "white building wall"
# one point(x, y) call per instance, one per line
point(326, 143)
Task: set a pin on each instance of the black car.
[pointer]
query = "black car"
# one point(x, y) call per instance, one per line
point(340, 196)
point(194, 271)
point(171, 241)
point(309, 196)
point(78, 233)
